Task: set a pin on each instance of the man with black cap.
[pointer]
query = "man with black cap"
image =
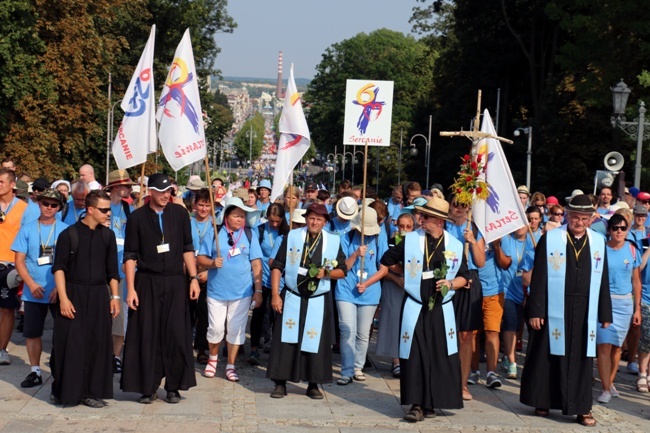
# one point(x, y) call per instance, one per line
point(159, 334)
point(301, 348)
point(569, 298)
point(33, 210)
point(311, 192)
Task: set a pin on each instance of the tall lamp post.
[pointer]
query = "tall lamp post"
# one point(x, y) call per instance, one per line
point(633, 128)
point(427, 156)
point(250, 134)
point(335, 157)
point(529, 153)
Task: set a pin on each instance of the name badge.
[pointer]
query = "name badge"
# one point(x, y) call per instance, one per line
point(196, 253)
point(519, 273)
point(45, 260)
point(427, 275)
point(364, 275)
point(163, 248)
point(119, 242)
point(235, 252)
point(302, 271)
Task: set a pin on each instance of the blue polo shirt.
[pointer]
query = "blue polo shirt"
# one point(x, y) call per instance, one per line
point(118, 225)
point(522, 254)
point(270, 238)
point(457, 232)
point(620, 265)
point(489, 275)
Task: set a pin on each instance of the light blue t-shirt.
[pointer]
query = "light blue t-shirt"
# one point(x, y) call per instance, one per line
point(637, 236)
point(645, 285)
point(263, 206)
point(346, 288)
point(489, 276)
point(522, 254)
point(338, 227)
point(74, 214)
point(270, 238)
point(235, 279)
point(29, 240)
point(32, 213)
point(620, 264)
point(274, 252)
point(118, 225)
point(457, 232)
point(394, 211)
point(200, 231)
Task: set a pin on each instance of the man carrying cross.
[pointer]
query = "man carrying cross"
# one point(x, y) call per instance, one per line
point(569, 299)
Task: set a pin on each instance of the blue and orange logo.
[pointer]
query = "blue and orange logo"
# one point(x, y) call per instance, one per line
point(367, 99)
point(138, 102)
point(179, 77)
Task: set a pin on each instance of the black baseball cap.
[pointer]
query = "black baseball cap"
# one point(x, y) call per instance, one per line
point(159, 182)
point(311, 187)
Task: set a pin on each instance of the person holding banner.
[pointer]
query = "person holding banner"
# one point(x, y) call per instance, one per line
point(569, 297)
point(434, 267)
point(301, 347)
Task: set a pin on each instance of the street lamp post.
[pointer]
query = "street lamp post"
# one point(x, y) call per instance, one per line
point(250, 134)
point(427, 152)
point(529, 153)
point(399, 163)
point(633, 128)
point(335, 157)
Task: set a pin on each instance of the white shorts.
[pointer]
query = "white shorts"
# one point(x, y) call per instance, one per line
point(234, 313)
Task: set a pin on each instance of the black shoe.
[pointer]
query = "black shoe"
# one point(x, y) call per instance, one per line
point(55, 400)
point(92, 402)
point(148, 398)
point(314, 393)
point(117, 365)
point(279, 391)
point(173, 397)
point(429, 413)
point(32, 380)
point(415, 414)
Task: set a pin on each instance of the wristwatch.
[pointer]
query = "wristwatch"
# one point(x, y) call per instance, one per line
point(118, 297)
point(195, 277)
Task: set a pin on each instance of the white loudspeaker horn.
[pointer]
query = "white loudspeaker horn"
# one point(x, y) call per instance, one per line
point(614, 161)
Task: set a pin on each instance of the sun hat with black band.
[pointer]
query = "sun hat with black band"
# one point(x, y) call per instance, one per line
point(436, 207)
point(159, 182)
point(51, 194)
point(119, 177)
point(347, 208)
point(581, 203)
point(318, 209)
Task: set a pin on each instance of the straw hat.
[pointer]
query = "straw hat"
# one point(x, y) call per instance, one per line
point(436, 207)
point(370, 225)
point(194, 183)
point(119, 177)
point(347, 208)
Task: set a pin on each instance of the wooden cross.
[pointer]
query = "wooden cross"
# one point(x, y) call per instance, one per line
point(451, 333)
point(290, 323)
point(556, 334)
point(592, 335)
point(406, 337)
point(312, 333)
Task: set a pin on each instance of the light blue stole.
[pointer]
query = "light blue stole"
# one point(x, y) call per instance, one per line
point(316, 303)
point(413, 257)
point(556, 248)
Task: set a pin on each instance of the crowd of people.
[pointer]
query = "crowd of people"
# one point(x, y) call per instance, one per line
point(144, 282)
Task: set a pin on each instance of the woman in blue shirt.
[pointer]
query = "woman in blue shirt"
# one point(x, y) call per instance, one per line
point(623, 261)
point(269, 234)
point(356, 301)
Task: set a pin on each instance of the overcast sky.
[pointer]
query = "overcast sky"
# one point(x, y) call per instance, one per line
point(302, 30)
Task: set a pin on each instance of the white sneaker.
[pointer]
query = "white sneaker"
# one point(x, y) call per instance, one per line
point(4, 357)
point(605, 397)
point(614, 391)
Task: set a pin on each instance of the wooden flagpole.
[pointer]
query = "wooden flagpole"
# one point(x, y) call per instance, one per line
point(214, 219)
point(141, 184)
point(363, 206)
point(290, 203)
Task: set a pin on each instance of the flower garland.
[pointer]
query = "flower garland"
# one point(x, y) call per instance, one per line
point(468, 184)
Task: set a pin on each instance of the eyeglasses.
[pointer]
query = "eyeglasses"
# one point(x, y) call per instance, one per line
point(103, 210)
point(38, 189)
point(50, 204)
point(557, 213)
point(617, 228)
point(456, 204)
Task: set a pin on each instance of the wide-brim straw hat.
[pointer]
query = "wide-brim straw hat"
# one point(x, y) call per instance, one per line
point(435, 206)
point(370, 225)
point(194, 183)
point(119, 177)
point(581, 203)
point(233, 202)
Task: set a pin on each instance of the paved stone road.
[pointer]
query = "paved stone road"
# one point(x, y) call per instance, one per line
point(217, 405)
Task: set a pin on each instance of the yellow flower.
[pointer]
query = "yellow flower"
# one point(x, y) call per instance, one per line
point(449, 255)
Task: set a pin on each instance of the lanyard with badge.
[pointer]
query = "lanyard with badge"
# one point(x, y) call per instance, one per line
point(201, 234)
point(163, 247)
point(118, 223)
point(428, 274)
point(234, 249)
point(46, 253)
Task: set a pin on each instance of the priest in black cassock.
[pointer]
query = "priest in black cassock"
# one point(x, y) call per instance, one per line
point(433, 261)
point(158, 342)
point(569, 298)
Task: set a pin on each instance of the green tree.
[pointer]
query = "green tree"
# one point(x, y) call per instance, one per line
point(244, 145)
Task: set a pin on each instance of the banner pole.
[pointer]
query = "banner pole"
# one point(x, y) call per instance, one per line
point(214, 220)
point(141, 184)
point(363, 206)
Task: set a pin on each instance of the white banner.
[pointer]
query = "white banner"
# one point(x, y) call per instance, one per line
point(368, 112)
point(502, 213)
point(136, 136)
point(181, 132)
point(294, 138)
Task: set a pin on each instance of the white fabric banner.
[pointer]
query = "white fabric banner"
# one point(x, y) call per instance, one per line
point(368, 112)
point(136, 136)
point(294, 138)
point(502, 212)
point(181, 132)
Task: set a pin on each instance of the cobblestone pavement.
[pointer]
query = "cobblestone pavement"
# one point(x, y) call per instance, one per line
point(370, 406)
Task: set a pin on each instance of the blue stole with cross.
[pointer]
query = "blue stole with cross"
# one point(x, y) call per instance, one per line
point(413, 263)
point(315, 304)
point(556, 247)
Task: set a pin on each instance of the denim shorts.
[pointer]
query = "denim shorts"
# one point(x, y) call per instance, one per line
point(513, 316)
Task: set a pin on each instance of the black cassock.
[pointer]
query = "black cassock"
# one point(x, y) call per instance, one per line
point(158, 342)
point(563, 382)
point(82, 358)
point(430, 377)
point(286, 361)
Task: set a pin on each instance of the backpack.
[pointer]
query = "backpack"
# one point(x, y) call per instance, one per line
point(247, 230)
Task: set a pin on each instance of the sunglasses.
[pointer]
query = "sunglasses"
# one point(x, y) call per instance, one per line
point(427, 217)
point(558, 213)
point(645, 201)
point(231, 241)
point(103, 210)
point(3, 216)
point(50, 204)
point(617, 228)
point(459, 205)
point(38, 189)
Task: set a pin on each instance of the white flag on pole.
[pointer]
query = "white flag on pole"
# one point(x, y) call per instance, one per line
point(294, 137)
point(502, 212)
point(136, 137)
point(181, 132)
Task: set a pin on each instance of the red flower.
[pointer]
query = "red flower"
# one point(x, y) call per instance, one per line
point(473, 165)
point(469, 178)
point(466, 157)
point(478, 190)
point(478, 157)
point(459, 190)
point(471, 190)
